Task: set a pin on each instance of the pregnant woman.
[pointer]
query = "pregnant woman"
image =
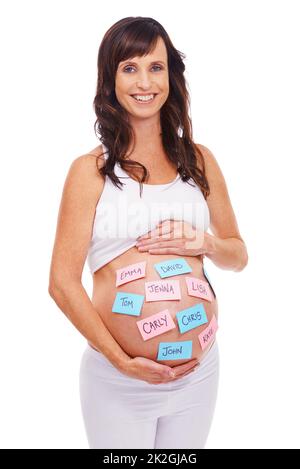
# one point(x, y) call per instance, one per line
point(137, 208)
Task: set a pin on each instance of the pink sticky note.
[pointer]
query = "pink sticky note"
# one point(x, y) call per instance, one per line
point(208, 334)
point(199, 288)
point(130, 272)
point(162, 290)
point(156, 324)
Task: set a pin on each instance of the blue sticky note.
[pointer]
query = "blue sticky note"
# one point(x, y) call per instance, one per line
point(172, 267)
point(175, 350)
point(191, 317)
point(128, 303)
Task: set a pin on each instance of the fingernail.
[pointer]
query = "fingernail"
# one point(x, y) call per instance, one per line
point(172, 374)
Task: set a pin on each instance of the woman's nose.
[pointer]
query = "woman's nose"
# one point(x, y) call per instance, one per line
point(144, 79)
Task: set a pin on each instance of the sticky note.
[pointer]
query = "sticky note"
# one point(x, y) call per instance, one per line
point(156, 324)
point(175, 350)
point(172, 267)
point(199, 288)
point(128, 303)
point(130, 272)
point(191, 317)
point(208, 334)
point(162, 290)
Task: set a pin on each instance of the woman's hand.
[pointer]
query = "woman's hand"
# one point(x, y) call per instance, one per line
point(176, 237)
point(156, 373)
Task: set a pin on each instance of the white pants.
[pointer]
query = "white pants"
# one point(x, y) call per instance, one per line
point(123, 412)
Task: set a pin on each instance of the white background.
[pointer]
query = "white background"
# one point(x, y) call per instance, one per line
point(242, 68)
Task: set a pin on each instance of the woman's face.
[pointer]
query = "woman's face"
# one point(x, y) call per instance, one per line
point(144, 76)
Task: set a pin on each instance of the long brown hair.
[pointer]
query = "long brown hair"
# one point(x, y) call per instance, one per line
point(137, 36)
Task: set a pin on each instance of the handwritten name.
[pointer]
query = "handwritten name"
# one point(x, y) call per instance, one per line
point(208, 335)
point(186, 319)
point(169, 350)
point(199, 287)
point(150, 326)
point(168, 268)
point(161, 288)
point(129, 273)
point(126, 302)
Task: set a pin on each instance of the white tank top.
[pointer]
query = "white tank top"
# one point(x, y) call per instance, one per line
point(122, 216)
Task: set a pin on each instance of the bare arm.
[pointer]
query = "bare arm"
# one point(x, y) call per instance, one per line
point(74, 229)
point(227, 248)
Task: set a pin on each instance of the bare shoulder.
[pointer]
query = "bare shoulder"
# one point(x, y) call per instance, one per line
point(83, 177)
point(209, 158)
point(97, 151)
point(88, 165)
point(213, 171)
point(92, 159)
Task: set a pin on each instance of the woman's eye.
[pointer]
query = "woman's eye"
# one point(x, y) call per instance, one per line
point(126, 69)
point(129, 67)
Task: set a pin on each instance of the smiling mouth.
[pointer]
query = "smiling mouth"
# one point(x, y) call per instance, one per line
point(145, 101)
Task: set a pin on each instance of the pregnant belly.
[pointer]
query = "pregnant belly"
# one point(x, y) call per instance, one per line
point(123, 327)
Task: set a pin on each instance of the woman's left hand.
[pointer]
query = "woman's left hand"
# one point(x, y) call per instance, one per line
point(176, 237)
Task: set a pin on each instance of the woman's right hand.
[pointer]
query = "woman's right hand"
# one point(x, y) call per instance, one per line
point(156, 373)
